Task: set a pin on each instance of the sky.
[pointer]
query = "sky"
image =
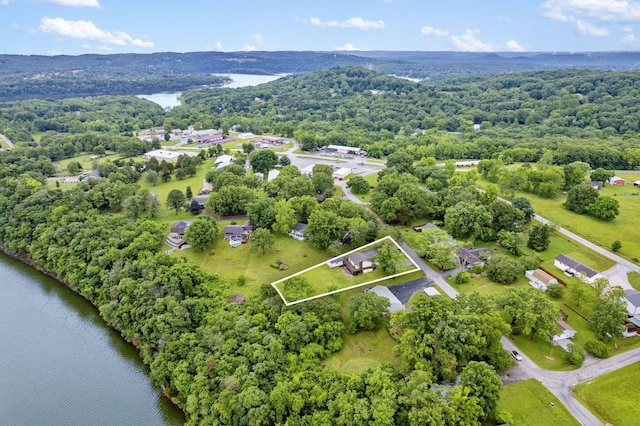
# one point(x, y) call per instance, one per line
point(74, 27)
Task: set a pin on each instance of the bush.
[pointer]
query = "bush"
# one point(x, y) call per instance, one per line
point(462, 278)
point(616, 246)
point(504, 417)
point(242, 280)
point(575, 354)
point(597, 349)
point(555, 290)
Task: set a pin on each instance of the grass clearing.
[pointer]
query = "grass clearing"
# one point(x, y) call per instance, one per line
point(634, 279)
point(528, 402)
point(610, 396)
point(372, 179)
point(325, 280)
point(84, 160)
point(602, 233)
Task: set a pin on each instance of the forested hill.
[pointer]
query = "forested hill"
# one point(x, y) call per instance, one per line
point(591, 116)
point(23, 77)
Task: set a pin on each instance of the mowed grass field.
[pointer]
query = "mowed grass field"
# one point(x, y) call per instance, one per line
point(610, 396)
point(623, 228)
point(529, 403)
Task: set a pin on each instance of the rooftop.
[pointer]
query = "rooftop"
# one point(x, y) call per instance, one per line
point(577, 266)
point(633, 296)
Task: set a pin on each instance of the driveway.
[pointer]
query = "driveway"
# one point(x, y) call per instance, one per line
point(618, 276)
point(404, 291)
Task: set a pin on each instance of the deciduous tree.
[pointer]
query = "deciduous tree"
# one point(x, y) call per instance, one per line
point(261, 239)
point(176, 199)
point(366, 311)
point(202, 233)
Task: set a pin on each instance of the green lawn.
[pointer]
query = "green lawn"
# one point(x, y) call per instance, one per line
point(230, 263)
point(363, 350)
point(528, 402)
point(610, 396)
point(84, 160)
point(623, 228)
point(634, 279)
point(324, 279)
point(373, 182)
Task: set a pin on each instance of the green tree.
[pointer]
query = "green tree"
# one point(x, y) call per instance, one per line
point(575, 354)
point(438, 247)
point(324, 227)
point(605, 208)
point(466, 219)
point(523, 204)
point(530, 309)
point(388, 257)
point(555, 290)
point(73, 167)
point(231, 200)
point(504, 269)
point(579, 292)
point(151, 177)
point(284, 161)
point(261, 211)
point(358, 185)
point(261, 239)
point(248, 147)
point(616, 246)
point(580, 198)
point(202, 233)
point(263, 161)
point(514, 242)
point(285, 217)
point(539, 237)
point(400, 161)
point(322, 183)
point(601, 175)
point(176, 199)
point(366, 311)
point(483, 382)
point(188, 193)
point(609, 314)
point(505, 216)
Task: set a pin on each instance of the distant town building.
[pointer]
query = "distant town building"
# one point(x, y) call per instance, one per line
point(617, 181)
point(166, 155)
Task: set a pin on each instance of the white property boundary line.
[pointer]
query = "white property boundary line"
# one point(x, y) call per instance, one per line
point(327, 262)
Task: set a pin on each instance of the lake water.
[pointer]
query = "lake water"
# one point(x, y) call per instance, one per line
point(60, 364)
point(170, 100)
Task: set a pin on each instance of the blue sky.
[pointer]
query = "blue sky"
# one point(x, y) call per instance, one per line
point(73, 27)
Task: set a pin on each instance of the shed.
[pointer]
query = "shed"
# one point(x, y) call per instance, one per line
point(617, 181)
point(566, 331)
point(636, 184)
point(431, 291)
point(540, 279)
point(395, 304)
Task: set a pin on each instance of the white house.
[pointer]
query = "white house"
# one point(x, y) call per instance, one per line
point(344, 150)
point(632, 297)
point(223, 161)
point(166, 155)
point(566, 331)
point(572, 267)
point(246, 135)
point(395, 303)
point(540, 279)
point(297, 231)
point(342, 173)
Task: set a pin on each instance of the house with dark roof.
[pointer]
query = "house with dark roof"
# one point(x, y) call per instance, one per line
point(238, 231)
point(176, 234)
point(632, 297)
point(572, 267)
point(179, 227)
point(297, 231)
point(540, 279)
point(421, 228)
point(359, 263)
point(469, 258)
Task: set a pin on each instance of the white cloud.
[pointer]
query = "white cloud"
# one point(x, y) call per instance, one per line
point(351, 23)
point(74, 3)
point(597, 10)
point(15, 26)
point(630, 39)
point(513, 46)
point(85, 45)
point(249, 48)
point(219, 45)
point(86, 30)
point(5, 2)
point(430, 31)
point(257, 38)
point(587, 28)
point(105, 47)
point(348, 47)
point(53, 52)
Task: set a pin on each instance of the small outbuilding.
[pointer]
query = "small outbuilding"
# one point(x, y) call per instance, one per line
point(566, 331)
point(636, 184)
point(431, 291)
point(540, 279)
point(341, 173)
point(395, 304)
point(617, 181)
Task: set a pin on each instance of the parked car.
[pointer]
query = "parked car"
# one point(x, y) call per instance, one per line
point(516, 355)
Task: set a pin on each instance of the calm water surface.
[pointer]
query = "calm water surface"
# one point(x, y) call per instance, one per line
point(60, 364)
point(170, 100)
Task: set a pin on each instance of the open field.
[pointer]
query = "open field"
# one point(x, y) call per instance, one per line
point(528, 402)
point(623, 228)
point(84, 160)
point(325, 280)
point(634, 279)
point(610, 396)
point(373, 182)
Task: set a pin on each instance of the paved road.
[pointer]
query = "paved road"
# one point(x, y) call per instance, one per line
point(6, 140)
point(561, 383)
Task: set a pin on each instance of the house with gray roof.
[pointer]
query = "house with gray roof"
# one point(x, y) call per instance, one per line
point(572, 267)
point(359, 263)
point(632, 297)
point(394, 302)
point(297, 231)
point(469, 258)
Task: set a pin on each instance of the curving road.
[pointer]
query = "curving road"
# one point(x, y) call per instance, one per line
point(7, 141)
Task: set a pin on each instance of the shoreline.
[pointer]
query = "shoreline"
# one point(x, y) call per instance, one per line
point(29, 262)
